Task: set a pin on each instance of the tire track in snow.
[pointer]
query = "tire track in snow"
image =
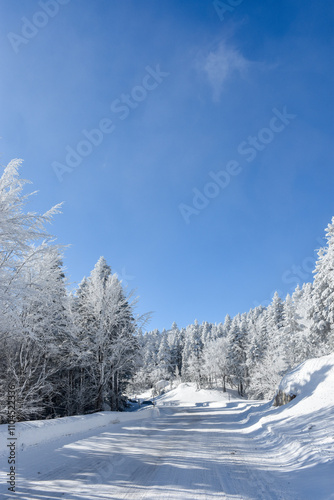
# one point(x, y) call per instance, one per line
point(197, 453)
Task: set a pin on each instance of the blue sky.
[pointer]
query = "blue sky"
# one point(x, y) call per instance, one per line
point(191, 145)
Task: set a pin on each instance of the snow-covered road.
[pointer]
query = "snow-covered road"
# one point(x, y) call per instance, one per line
point(201, 452)
point(197, 444)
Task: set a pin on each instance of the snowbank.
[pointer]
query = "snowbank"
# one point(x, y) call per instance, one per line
point(313, 378)
point(301, 432)
point(40, 431)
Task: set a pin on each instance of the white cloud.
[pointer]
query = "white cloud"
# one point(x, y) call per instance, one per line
point(221, 64)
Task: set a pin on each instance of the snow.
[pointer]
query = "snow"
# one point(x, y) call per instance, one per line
point(311, 376)
point(161, 384)
point(186, 394)
point(194, 445)
point(41, 431)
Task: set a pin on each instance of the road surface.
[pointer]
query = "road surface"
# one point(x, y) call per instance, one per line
point(195, 453)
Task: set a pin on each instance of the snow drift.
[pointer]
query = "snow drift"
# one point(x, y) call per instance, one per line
point(312, 379)
point(40, 431)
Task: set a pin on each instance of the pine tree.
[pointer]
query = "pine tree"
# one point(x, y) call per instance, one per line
point(292, 333)
point(164, 359)
point(107, 333)
point(175, 346)
point(192, 351)
point(322, 315)
point(227, 325)
point(237, 339)
point(257, 337)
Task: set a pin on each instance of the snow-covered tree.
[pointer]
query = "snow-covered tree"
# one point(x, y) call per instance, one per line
point(18, 231)
point(322, 314)
point(292, 333)
point(46, 335)
point(106, 325)
point(191, 355)
point(21, 251)
point(237, 339)
point(257, 337)
point(164, 358)
point(175, 342)
point(215, 362)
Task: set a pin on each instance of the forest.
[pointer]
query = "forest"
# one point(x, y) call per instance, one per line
point(68, 353)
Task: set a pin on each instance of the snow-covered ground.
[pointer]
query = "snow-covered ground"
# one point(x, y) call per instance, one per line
point(188, 395)
point(193, 445)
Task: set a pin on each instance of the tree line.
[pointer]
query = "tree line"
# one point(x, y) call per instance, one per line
point(253, 350)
